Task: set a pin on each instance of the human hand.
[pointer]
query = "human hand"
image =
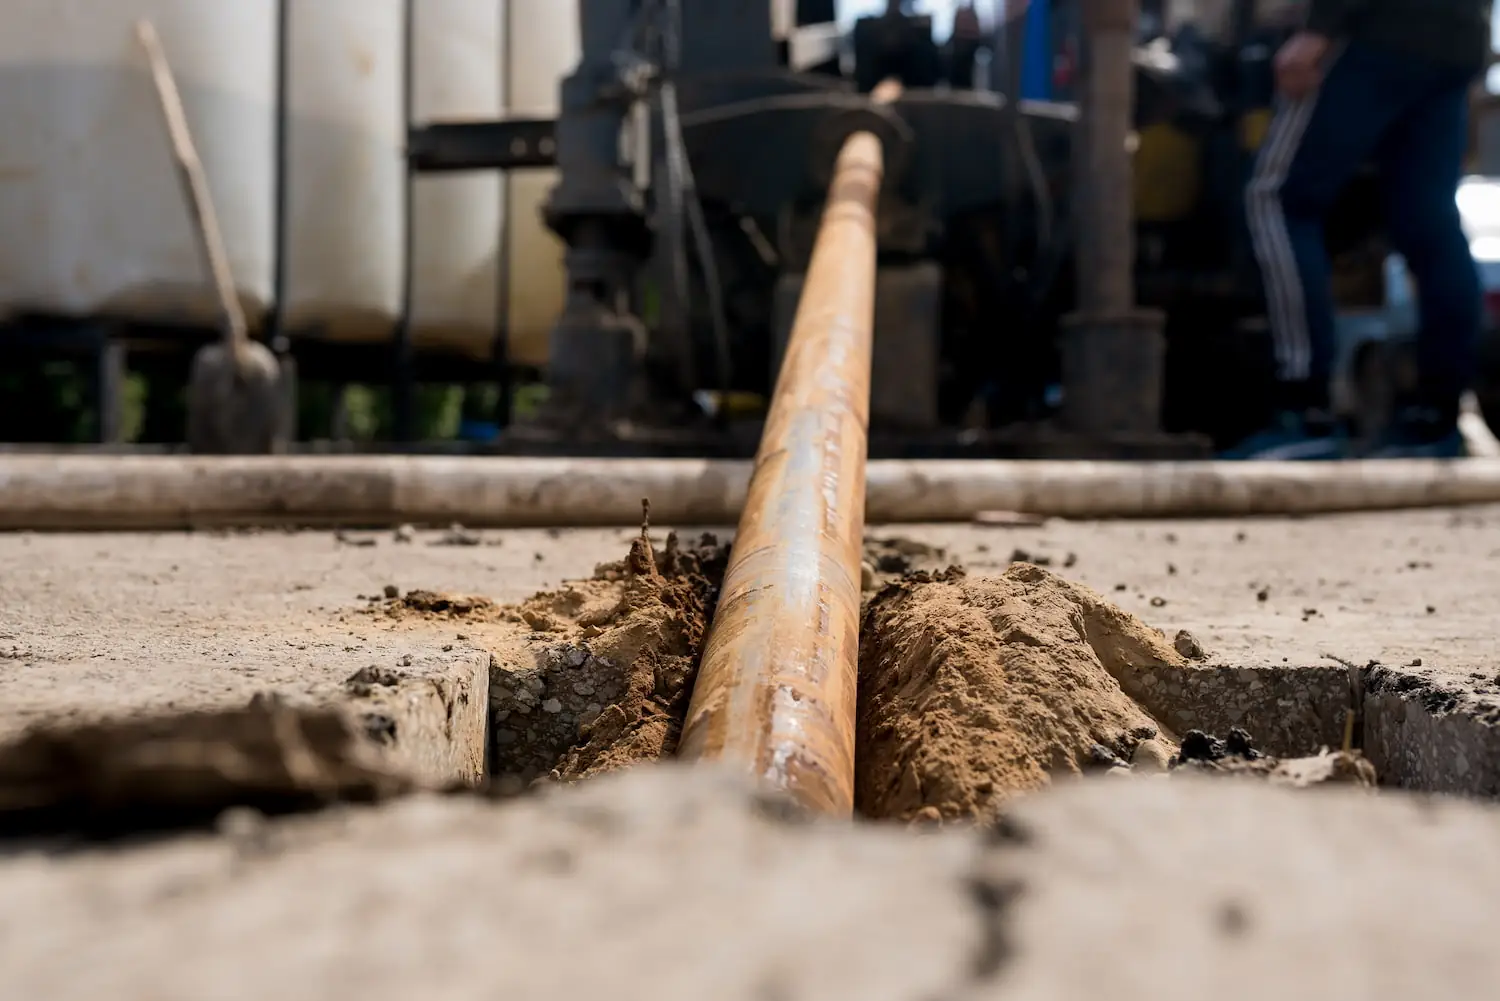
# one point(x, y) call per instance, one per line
point(1299, 64)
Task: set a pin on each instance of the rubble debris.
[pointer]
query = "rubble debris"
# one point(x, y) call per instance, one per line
point(362, 683)
point(436, 605)
point(1199, 746)
point(1187, 644)
point(900, 555)
point(1236, 755)
point(604, 680)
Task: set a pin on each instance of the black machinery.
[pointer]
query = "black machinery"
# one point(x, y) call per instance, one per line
point(693, 159)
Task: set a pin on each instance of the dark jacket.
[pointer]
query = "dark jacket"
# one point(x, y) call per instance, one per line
point(1455, 32)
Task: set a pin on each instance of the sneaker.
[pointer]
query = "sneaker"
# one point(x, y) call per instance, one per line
point(1419, 433)
point(1293, 436)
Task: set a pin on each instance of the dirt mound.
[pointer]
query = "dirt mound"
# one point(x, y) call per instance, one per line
point(974, 689)
point(602, 678)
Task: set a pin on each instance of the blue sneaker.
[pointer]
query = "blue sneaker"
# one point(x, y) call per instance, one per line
point(1419, 433)
point(1293, 436)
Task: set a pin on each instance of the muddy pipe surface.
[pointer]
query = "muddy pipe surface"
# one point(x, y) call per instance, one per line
point(775, 691)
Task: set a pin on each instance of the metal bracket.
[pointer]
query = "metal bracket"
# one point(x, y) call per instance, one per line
point(513, 144)
point(895, 135)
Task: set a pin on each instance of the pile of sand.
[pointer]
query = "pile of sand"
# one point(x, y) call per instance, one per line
point(974, 689)
point(597, 674)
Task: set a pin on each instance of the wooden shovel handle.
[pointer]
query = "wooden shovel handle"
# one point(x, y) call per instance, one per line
point(195, 186)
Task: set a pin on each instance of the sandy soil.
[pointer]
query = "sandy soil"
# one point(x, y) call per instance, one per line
point(1135, 889)
point(240, 613)
point(96, 625)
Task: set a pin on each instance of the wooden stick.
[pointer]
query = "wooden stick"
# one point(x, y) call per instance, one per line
point(195, 186)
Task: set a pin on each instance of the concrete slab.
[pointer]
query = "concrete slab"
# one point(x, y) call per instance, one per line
point(663, 884)
point(101, 624)
point(108, 625)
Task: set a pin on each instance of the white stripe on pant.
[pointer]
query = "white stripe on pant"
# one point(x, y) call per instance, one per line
point(1286, 303)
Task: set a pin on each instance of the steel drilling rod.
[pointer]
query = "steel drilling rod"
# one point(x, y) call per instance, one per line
point(775, 693)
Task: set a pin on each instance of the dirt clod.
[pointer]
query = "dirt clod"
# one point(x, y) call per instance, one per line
point(434, 605)
point(458, 535)
point(899, 555)
point(364, 681)
point(1199, 746)
point(1187, 644)
point(974, 689)
point(1237, 756)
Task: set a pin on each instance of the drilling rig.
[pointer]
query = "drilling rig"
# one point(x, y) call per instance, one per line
point(1060, 274)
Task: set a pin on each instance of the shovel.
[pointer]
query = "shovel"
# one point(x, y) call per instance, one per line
point(234, 389)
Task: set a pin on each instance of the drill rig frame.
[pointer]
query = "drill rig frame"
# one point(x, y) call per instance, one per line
point(693, 166)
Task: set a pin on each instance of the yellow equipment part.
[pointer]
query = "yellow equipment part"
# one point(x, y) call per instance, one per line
point(1254, 125)
point(1168, 174)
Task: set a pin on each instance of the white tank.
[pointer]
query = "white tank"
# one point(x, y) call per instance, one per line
point(456, 217)
point(544, 48)
point(345, 174)
point(92, 217)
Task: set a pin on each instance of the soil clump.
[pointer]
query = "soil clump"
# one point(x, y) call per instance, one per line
point(972, 690)
point(975, 689)
point(598, 673)
point(1236, 755)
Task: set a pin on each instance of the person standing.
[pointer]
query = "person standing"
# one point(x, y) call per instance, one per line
point(964, 45)
point(1363, 79)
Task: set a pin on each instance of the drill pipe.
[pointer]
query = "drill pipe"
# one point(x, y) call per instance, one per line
point(775, 692)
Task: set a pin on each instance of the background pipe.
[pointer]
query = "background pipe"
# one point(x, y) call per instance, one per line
point(775, 691)
point(162, 493)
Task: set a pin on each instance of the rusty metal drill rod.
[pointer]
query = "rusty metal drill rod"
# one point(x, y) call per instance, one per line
point(775, 692)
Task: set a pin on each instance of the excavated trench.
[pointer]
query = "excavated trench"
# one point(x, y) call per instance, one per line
point(971, 689)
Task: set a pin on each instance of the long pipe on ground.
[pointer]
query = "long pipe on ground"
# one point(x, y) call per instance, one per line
point(165, 493)
point(775, 689)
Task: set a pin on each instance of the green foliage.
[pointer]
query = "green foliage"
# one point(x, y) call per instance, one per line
point(54, 402)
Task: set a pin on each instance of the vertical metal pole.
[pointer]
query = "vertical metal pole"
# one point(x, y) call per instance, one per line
point(1106, 260)
point(501, 351)
point(402, 390)
point(283, 147)
point(110, 376)
point(1112, 352)
point(280, 342)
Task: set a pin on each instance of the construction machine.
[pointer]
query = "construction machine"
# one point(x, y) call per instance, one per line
point(695, 146)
